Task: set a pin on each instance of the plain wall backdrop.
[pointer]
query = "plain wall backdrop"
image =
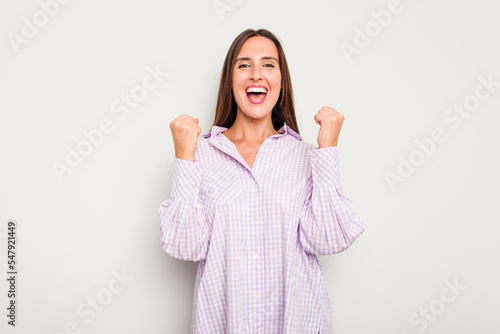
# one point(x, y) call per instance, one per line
point(417, 81)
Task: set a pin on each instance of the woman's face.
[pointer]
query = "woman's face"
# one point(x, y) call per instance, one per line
point(257, 77)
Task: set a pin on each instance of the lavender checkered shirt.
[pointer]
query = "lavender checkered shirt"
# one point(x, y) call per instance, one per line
point(256, 233)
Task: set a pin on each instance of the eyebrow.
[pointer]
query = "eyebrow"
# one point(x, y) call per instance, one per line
point(263, 58)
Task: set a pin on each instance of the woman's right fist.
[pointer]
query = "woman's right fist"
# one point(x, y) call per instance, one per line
point(185, 131)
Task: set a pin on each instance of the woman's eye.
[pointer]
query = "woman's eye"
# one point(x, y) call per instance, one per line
point(269, 65)
point(243, 65)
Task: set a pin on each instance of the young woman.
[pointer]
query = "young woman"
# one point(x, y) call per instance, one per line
point(255, 204)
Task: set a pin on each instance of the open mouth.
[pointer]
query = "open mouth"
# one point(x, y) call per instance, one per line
point(256, 94)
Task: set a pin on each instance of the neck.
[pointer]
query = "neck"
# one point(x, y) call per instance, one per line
point(250, 129)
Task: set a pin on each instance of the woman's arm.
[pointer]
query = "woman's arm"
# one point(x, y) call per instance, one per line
point(184, 231)
point(328, 223)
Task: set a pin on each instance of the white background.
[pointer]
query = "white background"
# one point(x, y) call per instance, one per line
point(438, 224)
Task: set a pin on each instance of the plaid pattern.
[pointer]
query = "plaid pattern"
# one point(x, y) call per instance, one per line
point(257, 233)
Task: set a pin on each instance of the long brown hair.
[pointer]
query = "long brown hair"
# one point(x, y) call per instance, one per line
point(283, 111)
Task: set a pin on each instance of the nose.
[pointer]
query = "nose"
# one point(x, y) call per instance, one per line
point(256, 73)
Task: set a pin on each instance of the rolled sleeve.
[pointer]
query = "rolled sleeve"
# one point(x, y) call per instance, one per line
point(186, 180)
point(328, 223)
point(325, 167)
point(184, 231)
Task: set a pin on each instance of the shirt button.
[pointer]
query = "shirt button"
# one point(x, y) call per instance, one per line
point(195, 189)
point(315, 158)
point(254, 217)
point(266, 150)
point(197, 171)
point(257, 295)
point(256, 256)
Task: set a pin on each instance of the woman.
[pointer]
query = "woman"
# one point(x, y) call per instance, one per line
point(255, 204)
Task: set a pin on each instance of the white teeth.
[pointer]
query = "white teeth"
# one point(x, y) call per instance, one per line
point(256, 90)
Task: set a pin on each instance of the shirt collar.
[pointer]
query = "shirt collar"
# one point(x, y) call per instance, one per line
point(284, 130)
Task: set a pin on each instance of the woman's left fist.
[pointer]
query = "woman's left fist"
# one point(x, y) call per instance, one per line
point(330, 121)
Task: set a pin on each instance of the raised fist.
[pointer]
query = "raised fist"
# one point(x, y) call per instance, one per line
point(185, 132)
